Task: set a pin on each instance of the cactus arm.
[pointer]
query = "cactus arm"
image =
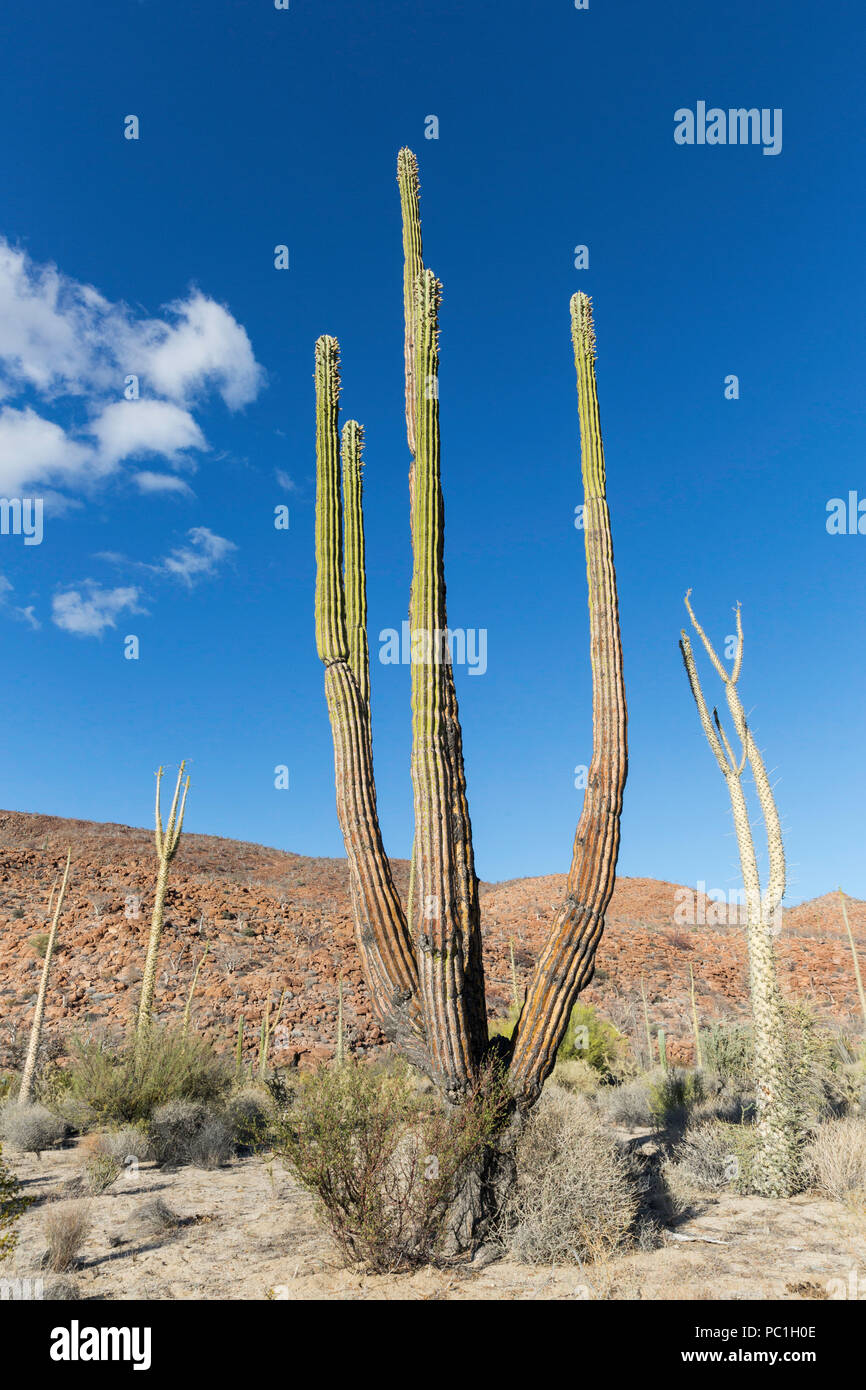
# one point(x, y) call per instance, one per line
point(383, 940)
point(703, 712)
point(355, 557)
point(567, 961)
point(421, 383)
point(456, 1032)
point(29, 1072)
point(413, 264)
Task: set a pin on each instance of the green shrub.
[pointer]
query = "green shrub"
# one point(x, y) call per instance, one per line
point(674, 1095)
point(384, 1161)
point(12, 1205)
point(39, 942)
point(126, 1085)
point(728, 1050)
point(595, 1041)
point(249, 1114)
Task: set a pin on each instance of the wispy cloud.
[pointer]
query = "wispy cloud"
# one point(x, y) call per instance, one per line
point(25, 615)
point(286, 482)
point(198, 559)
point(88, 611)
point(161, 482)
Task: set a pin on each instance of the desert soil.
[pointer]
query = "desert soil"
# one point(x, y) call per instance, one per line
point(249, 1232)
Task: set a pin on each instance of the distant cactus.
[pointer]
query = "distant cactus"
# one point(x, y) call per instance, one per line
point(26, 1091)
point(425, 973)
point(661, 1038)
point(857, 975)
point(167, 841)
point(775, 1171)
point(699, 1060)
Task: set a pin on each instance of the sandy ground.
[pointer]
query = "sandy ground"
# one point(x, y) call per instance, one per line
point(248, 1232)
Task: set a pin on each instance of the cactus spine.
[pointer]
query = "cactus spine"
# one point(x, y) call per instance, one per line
point(775, 1172)
point(29, 1072)
point(427, 983)
point(167, 841)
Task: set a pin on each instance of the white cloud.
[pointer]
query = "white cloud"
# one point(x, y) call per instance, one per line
point(129, 428)
point(286, 482)
point(34, 450)
point(60, 338)
point(199, 558)
point(26, 615)
point(161, 482)
point(88, 614)
point(207, 346)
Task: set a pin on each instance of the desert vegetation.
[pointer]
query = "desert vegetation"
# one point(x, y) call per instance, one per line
point(472, 1112)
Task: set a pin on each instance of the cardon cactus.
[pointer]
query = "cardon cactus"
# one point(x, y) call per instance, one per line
point(426, 977)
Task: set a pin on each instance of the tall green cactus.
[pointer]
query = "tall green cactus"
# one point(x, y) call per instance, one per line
point(775, 1171)
point(427, 983)
point(167, 841)
point(29, 1072)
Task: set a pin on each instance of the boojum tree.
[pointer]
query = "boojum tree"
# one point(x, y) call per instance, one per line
point(426, 981)
point(775, 1165)
point(27, 1077)
point(167, 841)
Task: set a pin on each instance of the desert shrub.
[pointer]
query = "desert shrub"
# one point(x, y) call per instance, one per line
point(249, 1114)
point(706, 1159)
point(127, 1142)
point(66, 1228)
point(12, 1205)
point(155, 1218)
point(817, 1078)
point(577, 1075)
point(39, 942)
point(101, 1170)
point(728, 1051)
point(595, 1041)
point(575, 1197)
point(212, 1145)
point(628, 1104)
point(187, 1131)
point(383, 1161)
point(836, 1159)
point(31, 1128)
point(128, 1084)
point(674, 1095)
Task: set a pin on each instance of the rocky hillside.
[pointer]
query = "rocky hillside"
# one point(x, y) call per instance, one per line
point(278, 926)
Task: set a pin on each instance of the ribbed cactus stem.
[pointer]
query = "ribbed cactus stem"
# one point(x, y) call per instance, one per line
point(567, 962)
point(341, 1037)
point(380, 926)
point(413, 264)
point(646, 1020)
point(355, 556)
point(663, 1048)
point(456, 1031)
point(167, 841)
point(26, 1091)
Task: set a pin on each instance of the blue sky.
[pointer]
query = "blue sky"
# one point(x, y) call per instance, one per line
point(155, 257)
